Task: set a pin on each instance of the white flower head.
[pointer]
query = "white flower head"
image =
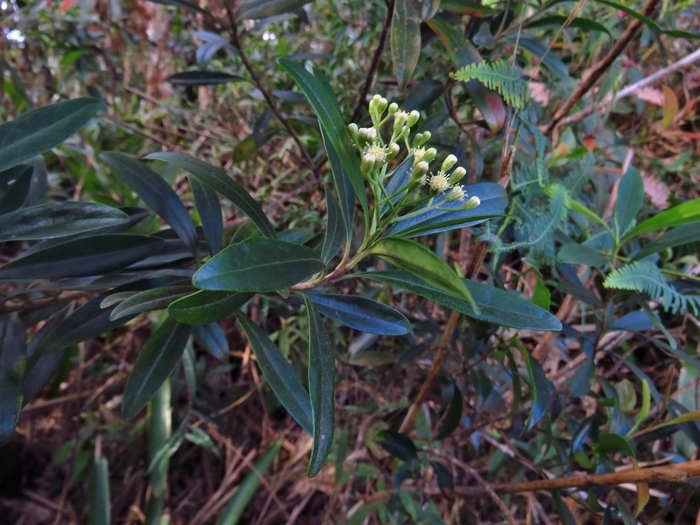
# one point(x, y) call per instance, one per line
point(457, 193)
point(378, 151)
point(439, 183)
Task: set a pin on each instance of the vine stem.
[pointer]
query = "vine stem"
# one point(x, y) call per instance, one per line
point(601, 67)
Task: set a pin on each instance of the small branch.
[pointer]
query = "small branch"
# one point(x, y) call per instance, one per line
point(259, 84)
point(681, 472)
point(375, 61)
point(601, 67)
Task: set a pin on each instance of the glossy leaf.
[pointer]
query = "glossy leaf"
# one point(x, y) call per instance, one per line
point(398, 445)
point(539, 385)
point(203, 78)
point(235, 508)
point(218, 179)
point(279, 374)
point(99, 502)
point(398, 179)
point(453, 414)
point(495, 306)
point(15, 184)
point(494, 200)
point(614, 444)
point(421, 262)
point(209, 209)
point(156, 193)
point(204, 306)
point(335, 233)
point(685, 213)
point(58, 219)
point(361, 313)
point(405, 41)
point(149, 300)
point(574, 253)
point(212, 339)
point(321, 388)
point(258, 265)
point(13, 359)
point(155, 362)
point(463, 53)
point(685, 234)
point(184, 4)
point(41, 129)
point(88, 256)
point(626, 208)
point(255, 9)
point(322, 99)
point(343, 187)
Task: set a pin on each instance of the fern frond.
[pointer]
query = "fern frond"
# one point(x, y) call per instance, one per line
point(646, 277)
point(498, 75)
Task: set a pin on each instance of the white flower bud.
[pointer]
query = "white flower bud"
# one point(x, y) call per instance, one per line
point(352, 129)
point(393, 108)
point(472, 203)
point(457, 175)
point(400, 119)
point(393, 150)
point(413, 117)
point(419, 170)
point(457, 193)
point(366, 136)
point(430, 155)
point(367, 163)
point(447, 164)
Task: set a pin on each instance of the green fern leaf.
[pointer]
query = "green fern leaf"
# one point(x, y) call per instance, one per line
point(646, 277)
point(498, 75)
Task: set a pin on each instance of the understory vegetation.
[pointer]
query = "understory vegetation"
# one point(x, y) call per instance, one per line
point(378, 262)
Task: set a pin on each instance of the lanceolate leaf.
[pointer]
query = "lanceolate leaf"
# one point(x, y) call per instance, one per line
point(632, 187)
point(335, 233)
point(59, 219)
point(557, 21)
point(321, 386)
point(203, 78)
point(212, 339)
point(156, 193)
point(218, 179)
point(421, 262)
point(405, 41)
point(322, 99)
point(13, 359)
point(343, 186)
point(149, 300)
point(495, 306)
point(184, 5)
point(99, 506)
point(206, 306)
point(279, 374)
point(675, 33)
point(155, 362)
point(209, 208)
point(258, 265)
point(685, 213)
point(15, 184)
point(539, 384)
point(87, 256)
point(43, 128)
point(254, 9)
point(684, 234)
point(463, 53)
point(361, 313)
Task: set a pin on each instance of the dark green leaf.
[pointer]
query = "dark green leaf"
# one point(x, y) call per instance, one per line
point(155, 362)
point(539, 385)
point(254, 9)
point(279, 374)
point(86, 256)
point(453, 414)
point(582, 432)
point(493, 201)
point(259, 264)
point(149, 300)
point(397, 444)
point(444, 479)
point(405, 41)
point(614, 444)
point(461, 54)
point(99, 506)
point(203, 78)
point(423, 95)
point(675, 33)
point(209, 209)
point(15, 184)
point(322, 99)
point(212, 339)
point(467, 7)
point(626, 208)
point(549, 59)
point(59, 219)
point(557, 21)
point(204, 306)
point(482, 386)
point(183, 4)
point(685, 234)
point(495, 306)
point(221, 182)
point(321, 386)
point(156, 193)
point(13, 360)
point(574, 253)
point(235, 508)
point(335, 233)
point(583, 379)
point(421, 262)
point(343, 186)
point(361, 313)
point(43, 128)
point(685, 213)
point(398, 179)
